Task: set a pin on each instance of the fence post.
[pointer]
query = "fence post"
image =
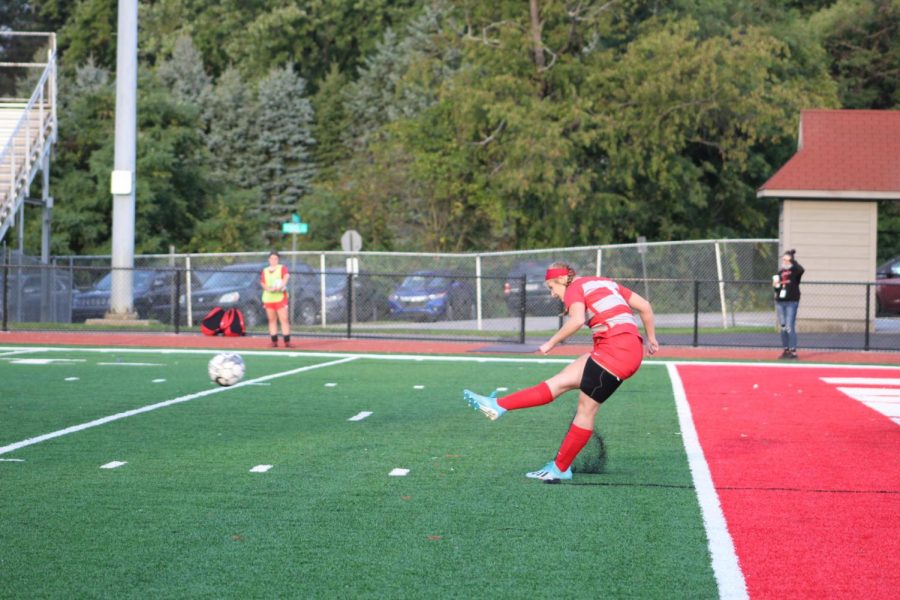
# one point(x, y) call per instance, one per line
point(478, 313)
point(5, 304)
point(696, 312)
point(188, 301)
point(522, 307)
point(176, 302)
point(721, 285)
point(349, 305)
point(322, 300)
point(868, 309)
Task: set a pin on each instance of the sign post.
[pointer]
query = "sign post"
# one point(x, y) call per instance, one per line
point(294, 227)
point(351, 242)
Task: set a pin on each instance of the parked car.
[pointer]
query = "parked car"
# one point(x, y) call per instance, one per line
point(94, 302)
point(26, 296)
point(434, 295)
point(887, 290)
point(156, 301)
point(238, 286)
point(538, 300)
point(369, 303)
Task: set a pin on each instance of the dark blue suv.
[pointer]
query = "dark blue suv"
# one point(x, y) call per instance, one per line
point(433, 295)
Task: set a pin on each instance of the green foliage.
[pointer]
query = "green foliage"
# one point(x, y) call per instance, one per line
point(862, 38)
point(455, 124)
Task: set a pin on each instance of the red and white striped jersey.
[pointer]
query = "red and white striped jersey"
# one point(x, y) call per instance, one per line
point(606, 308)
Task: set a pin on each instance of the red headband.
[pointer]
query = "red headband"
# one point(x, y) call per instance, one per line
point(554, 273)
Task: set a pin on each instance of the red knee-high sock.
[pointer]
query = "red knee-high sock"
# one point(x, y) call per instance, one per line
point(533, 396)
point(575, 440)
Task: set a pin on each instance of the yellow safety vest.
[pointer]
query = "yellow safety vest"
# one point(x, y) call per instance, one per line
point(270, 279)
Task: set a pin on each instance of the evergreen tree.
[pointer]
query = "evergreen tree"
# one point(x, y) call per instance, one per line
point(228, 114)
point(282, 153)
point(184, 73)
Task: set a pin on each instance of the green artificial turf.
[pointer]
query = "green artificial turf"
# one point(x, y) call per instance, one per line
point(185, 517)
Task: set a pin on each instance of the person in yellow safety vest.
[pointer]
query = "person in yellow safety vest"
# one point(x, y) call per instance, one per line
point(274, 279)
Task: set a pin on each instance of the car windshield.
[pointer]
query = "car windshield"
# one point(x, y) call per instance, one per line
point(335, 282)
point(141, 281)
point(428, 282)
point(532, 272)
point(223, 279)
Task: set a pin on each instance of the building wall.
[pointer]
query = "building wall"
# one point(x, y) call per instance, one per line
point(836, 241)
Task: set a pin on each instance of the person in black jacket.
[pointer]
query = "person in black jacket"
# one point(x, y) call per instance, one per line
point(787, 299)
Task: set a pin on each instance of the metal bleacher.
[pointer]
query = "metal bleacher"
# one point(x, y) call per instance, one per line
point(27, 133)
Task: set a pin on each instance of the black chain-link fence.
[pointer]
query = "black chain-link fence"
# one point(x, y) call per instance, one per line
point(434, 302)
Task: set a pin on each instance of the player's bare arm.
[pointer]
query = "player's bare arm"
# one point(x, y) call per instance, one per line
point(645, 311)
point(572, 325)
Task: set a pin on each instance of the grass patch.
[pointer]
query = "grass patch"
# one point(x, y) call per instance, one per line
point(186, 518)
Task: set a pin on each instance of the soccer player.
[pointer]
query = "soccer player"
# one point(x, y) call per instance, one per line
point(606, 307)
point(274, 279)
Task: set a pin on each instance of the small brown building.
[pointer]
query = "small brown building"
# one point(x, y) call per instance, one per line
point(846, 162)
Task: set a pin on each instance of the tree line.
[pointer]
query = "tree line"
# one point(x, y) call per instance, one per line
point(453, 125)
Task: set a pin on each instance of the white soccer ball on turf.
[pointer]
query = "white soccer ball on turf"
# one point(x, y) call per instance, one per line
point(226, 368)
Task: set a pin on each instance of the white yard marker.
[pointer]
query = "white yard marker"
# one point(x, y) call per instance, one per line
point(862, 380)
point(12, 460)
point(398, 473)
point(129, 364)
point(502, 389)
point(42, 361)
point(330, 385)
point(885, 399)
point(726, 568)
point(130, 413)
point(260, 468)
point(72, 378)
point(114, 464)
point(360, 416)
point(159, 381)
point(418, 387)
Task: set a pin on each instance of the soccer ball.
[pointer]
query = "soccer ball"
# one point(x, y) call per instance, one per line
point(226, 368)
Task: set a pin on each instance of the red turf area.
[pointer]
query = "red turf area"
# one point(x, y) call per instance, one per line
point(808, 478)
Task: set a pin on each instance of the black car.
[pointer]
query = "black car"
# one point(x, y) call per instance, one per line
point(538, 300)
point(28, 302)
point(368, 302)
point(94, 303)
point(433, 295)
point(158, 300)
point(887, 289)
point(238, 286)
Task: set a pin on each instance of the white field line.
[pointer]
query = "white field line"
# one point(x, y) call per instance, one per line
point(14, 352)
point(729, 577)
point(130, 413)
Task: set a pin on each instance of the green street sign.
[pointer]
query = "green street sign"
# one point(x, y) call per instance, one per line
point(291, 227)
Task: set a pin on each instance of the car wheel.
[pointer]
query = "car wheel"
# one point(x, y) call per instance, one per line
point(306, 313)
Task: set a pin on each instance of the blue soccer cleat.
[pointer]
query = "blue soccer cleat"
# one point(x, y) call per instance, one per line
point(486, 404)
point(550, 473)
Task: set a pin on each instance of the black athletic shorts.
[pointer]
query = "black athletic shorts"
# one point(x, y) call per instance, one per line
point(597, 382)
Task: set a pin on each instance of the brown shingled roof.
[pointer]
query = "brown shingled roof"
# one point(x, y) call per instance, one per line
point(842, 154)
